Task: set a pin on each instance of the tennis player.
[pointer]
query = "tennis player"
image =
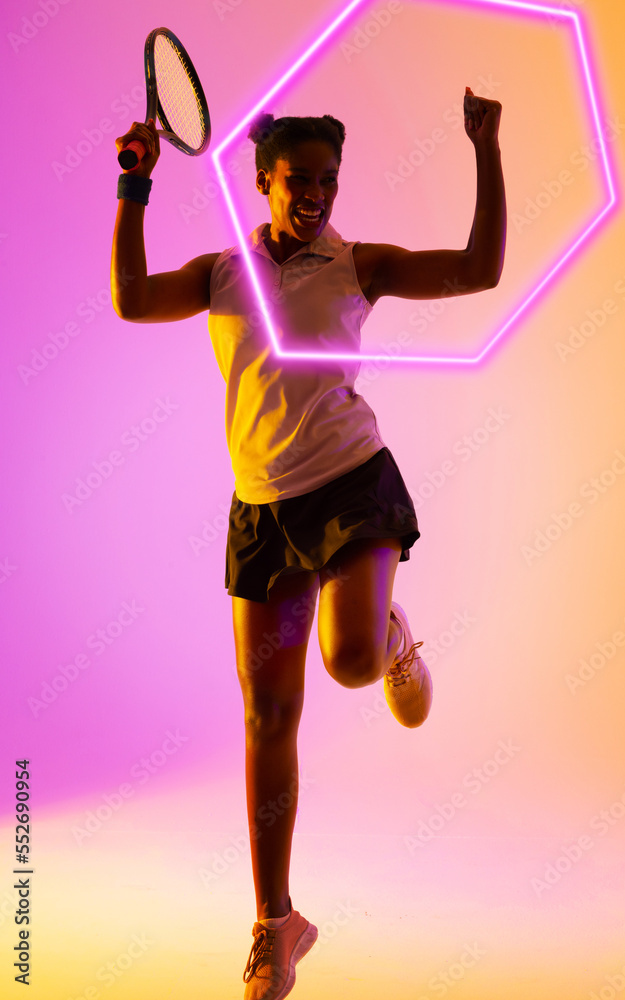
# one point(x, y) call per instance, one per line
point(320, 508)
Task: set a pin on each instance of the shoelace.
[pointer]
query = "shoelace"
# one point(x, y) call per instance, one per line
point(400, 672)
point(262, 947)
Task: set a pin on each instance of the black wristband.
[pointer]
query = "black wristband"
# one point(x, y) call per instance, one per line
point(134, 188)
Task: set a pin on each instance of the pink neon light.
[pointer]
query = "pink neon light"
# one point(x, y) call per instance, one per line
point(527, 8)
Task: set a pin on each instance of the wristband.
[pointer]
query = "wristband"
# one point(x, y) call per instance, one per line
point(134, 188)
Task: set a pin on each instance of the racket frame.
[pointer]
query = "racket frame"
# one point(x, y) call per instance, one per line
point(154, 108)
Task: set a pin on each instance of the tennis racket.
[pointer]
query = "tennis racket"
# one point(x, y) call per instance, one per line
point(174, 92)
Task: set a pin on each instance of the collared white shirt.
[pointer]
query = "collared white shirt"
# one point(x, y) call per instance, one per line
point(292, 424)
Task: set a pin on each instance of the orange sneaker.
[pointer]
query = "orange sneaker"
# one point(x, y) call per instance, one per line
point(270, 970)
point(408, 684)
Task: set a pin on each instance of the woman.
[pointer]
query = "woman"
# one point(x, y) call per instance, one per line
point(320, 507)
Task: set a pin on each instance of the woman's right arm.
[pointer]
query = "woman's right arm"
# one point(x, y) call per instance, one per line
point(155, 298)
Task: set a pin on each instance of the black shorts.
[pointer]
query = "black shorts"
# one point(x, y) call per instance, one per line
point(303, 532)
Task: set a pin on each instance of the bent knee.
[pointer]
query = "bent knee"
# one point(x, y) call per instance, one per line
point(354, 666)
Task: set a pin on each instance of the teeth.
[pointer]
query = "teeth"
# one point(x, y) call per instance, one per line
point(309, 214)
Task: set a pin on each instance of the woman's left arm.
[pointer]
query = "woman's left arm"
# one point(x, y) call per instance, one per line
point(430, 274)
point(487, 240)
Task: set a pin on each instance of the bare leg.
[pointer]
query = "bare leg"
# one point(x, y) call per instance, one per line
point(357, 637)
point(272, 682)
point(271, 778)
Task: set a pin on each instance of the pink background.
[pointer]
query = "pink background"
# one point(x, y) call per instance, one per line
point(507, 628)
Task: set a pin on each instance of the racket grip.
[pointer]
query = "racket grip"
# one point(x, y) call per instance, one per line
point(131, 154)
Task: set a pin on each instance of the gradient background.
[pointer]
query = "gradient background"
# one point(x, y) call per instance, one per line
point(421, 856)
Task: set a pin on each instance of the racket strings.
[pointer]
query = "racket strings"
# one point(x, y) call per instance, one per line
point(177, 93)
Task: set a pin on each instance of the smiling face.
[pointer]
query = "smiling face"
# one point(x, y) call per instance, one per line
point(301, 192)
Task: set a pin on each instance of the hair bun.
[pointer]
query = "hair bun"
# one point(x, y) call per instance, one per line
point(276, 139)
point(261, 127)
point(338, 126)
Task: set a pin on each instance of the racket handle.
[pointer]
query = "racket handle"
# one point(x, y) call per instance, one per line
point(131, 154)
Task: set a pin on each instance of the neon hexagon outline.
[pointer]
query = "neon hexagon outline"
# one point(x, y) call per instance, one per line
point(520, 5)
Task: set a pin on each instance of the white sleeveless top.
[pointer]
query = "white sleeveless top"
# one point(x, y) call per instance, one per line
point(292, 424)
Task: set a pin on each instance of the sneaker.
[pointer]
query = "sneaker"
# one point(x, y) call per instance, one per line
point(408, 684)
point(270, 970)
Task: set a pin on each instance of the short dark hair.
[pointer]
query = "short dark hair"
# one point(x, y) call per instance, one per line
point(275, 138)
